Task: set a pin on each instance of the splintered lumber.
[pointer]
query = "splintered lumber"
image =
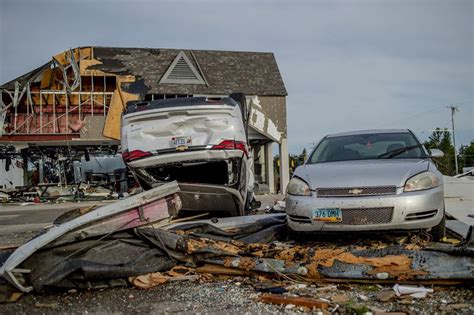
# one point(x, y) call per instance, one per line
point(221, 270)
point(298, 301)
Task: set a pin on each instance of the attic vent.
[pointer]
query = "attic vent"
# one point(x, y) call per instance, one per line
point(182, 71)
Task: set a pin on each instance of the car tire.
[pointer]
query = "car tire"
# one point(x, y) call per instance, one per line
point(438, 232)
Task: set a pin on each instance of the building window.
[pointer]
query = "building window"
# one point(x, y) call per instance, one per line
point(153, 97)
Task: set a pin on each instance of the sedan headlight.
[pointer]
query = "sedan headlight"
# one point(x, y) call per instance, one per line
point(422, 181)
point(298, 187)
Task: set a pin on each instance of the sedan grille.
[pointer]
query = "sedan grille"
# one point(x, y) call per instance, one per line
point(356, 191)
point(365, 216)
point(356, 216)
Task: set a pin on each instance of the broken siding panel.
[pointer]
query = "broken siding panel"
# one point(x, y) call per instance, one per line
point(268, 116)
point(274, 108)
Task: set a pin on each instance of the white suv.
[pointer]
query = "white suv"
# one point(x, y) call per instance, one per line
point(200, 142)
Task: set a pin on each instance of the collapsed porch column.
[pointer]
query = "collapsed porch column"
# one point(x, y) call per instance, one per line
point(284, 165)
point(270, 178)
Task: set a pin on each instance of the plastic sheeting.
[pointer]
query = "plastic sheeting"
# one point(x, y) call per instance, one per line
point(93, 263)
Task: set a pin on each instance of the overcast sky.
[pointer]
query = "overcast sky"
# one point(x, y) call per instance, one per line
point(347, 65)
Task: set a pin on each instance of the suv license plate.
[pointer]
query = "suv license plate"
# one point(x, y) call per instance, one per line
point(181, 143)
point(327, 215)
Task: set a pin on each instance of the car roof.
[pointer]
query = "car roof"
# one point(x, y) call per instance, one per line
point(370, 131)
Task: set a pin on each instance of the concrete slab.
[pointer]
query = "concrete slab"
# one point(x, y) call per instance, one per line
point(459, 199)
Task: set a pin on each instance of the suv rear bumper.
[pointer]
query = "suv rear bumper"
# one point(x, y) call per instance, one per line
point(157, 160)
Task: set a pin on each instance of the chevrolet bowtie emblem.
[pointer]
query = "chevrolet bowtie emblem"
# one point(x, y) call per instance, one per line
point(355, 191)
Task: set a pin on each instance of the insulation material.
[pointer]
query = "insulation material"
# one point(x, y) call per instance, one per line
point(92, 128)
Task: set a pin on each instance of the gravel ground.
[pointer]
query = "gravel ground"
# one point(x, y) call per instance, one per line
point(235, 296)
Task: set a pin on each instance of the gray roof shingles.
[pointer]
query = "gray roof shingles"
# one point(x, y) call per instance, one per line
point(254, 73)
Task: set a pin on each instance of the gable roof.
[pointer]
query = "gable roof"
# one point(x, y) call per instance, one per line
point(223, 72)
point(253, 73)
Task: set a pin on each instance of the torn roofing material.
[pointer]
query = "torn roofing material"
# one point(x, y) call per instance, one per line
point(243, 249)
point(27, 77)
point(139, 201)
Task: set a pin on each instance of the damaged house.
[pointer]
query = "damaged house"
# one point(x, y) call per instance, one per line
point(60, 123)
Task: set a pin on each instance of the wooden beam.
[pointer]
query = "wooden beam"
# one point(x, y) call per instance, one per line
point(298, 301)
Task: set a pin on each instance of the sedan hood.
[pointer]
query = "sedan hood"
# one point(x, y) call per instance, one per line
point(361, 173)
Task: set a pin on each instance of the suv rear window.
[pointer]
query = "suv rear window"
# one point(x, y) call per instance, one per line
point(137, 106)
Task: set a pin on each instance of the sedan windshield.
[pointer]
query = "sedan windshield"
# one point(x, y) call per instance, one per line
point(367, 146)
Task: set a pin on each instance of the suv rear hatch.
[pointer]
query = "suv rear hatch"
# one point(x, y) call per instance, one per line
point(178, 125)
point(201, 143)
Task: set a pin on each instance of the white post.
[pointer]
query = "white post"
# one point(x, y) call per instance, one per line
point(284, 165)
point(269, 167)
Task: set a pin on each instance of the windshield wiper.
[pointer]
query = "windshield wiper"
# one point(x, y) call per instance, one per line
point(393, 153)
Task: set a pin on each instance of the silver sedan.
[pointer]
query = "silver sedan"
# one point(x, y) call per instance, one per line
point(368, 181)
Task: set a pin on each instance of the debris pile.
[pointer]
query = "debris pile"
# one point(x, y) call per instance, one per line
point(107, 246)
point(137, 241)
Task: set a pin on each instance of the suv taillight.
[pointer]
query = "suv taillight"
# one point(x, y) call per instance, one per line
point(231, 145)
point(134, 155)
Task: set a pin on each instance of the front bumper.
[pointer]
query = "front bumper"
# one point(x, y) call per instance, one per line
point(409, 211)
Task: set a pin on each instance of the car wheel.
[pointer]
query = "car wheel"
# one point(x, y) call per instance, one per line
point(438, 232)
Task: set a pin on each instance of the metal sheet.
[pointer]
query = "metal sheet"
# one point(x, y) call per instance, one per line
point(26, 250)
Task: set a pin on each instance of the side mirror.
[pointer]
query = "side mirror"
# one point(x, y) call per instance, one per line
point(435, 153)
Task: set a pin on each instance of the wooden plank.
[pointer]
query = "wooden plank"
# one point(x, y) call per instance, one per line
point(221, 270)
point(298, 301)
point(46, 79)
point(113, 122)
point(85, 64)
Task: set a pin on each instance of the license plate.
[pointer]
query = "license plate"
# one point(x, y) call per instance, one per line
point(181, 143)
point(327, 215)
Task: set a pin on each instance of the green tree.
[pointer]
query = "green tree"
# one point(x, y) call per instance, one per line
point(441, 139)
point(302, 157)
point(466, 155)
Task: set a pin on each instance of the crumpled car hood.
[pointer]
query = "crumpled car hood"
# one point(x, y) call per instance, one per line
point(361, 173)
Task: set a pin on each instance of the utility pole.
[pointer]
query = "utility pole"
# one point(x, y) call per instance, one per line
point(454, 109)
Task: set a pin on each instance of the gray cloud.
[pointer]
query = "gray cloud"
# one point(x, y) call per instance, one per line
point(347, 64)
